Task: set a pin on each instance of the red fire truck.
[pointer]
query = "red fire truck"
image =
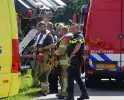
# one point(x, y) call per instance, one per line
point(104, 41)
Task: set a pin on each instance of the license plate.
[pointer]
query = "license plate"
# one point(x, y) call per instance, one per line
point(105, 66)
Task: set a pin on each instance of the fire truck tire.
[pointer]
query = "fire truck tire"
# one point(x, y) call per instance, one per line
point(92, 82)
point(119, 82)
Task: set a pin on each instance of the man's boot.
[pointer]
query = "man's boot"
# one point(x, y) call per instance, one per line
point(61, 97)
point(44, 93)
point(64, 93)
point(69, 98)
point(44, 88)
point(35, 83)
point(83, 96)
point(58, 94)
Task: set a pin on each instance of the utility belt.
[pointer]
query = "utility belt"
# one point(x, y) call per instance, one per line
point(40, 55)
point(76, 59)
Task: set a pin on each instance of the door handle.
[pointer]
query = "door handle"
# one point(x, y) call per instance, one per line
point(120, 36)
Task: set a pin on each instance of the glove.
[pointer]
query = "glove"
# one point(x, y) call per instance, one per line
point(56, 52)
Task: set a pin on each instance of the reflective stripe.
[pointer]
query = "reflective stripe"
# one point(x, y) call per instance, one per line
point(75, 41)
point(63, 61)
point(69, 65)
point(64, 46)
point(56, 62)
point(40, 54)
point(81, 41)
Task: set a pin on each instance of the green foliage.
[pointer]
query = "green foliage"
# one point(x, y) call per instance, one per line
point(73, 6)
point(25, 92)
point(26, 82)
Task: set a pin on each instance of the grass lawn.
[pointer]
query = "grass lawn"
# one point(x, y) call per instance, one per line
point(25, 92)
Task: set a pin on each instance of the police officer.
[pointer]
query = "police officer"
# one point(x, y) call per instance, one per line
point(42, 70)
point(75, 52)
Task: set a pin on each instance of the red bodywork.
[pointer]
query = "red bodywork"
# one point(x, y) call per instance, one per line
point(104, 25)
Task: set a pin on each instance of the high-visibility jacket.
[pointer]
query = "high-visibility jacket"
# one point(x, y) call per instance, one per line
point(78, 38)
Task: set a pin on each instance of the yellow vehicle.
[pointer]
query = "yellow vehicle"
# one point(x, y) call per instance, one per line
point(9, 50)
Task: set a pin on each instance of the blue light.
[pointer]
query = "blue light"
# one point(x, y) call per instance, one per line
point(118, 68)
point(0, 51)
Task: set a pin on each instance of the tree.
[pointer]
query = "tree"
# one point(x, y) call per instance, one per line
point(73, 6)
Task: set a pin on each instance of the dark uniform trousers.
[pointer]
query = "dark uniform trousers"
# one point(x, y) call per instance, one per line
point(53, 80)
point(74, 73)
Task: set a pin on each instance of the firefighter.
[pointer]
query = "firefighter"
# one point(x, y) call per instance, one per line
point(42, 70)
point(53, 77)
point(51, 29)
point(71, 29)
point(58, 25)
point(63, 62)
point(59, 30)
point(75, 52)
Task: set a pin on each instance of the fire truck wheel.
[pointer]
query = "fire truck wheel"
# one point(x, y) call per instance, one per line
point(92, 82)
point(119, 81)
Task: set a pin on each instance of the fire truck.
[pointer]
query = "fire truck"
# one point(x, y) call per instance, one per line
point(104, 38)
point(29, 14)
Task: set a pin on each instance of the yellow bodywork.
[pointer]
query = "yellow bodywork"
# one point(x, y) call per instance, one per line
point(9, 82)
